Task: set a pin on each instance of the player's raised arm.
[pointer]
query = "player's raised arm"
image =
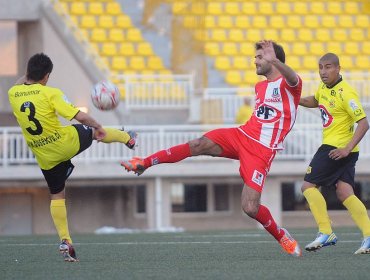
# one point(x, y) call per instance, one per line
point(270, 56)
point(309, 102)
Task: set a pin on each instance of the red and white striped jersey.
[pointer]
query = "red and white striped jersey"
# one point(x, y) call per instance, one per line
point(274, 113)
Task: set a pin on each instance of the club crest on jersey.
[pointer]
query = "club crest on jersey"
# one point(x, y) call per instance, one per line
point(326, 118)
point(266, 113)
point(257, 177)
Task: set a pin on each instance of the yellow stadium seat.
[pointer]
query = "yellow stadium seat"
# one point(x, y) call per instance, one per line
point(294, 21)
point(339, 34)
point(88, 21)
point(212, 48)
point(127, 48)
point(242, 22)
point(362, 62)
point(155, 63)
point(219, 35)
point(357, 34)
point(322, 35)
point(190, 21)
point(334, 7)
point(317, 48)
point(277, 22)
point(123, 21)
point(222, 63)
point(109, 49)
point(215, 8)
point(310, 62)
point(247, 49)
point(210, 22)
point(144, 48)
point(283, 8)
point(351, 48)
point(345, 21)
point(240, 62)
point(233, 77)
point(311, 21)
point(95, 8)
point(78, 8)
point(254, 35)
point(271, 34)
point(362, 21)
point(265, 8)
point(248, 8)
point(288, 35)
point(334, 47)
point(305, 34)
point(232, 8)
point(346, 62)
point(250, 77)
point(225, 21)
point(179, 7)
point(236, 35)
point(351, 7)
point(137, 63)
point(299, 48)
point(119, 63)
point(105, 21)
point(229, 48)
point(317, 8)
point(328, 21)
point(294, 62)
point(134, 35)
point(116, 35)
point(113, 8)
point(300, 8)
point(259, 21)
point(98, 35)
point(198, 8)
point(365, 47)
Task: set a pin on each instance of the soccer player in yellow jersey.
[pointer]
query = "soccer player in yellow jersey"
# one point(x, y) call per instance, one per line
point(334, 162)
point(35, 106)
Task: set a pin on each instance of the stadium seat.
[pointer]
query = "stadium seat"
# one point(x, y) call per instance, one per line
point(328, 21)
point(351, 7)
point(232, 8)
point(218, 35)
point(365, 47)
point(351, 48)
point(248, 8)
point(283, 7)
point(198, 8)
point(334, 7)
point(346, 62)
point(95, 8)
point(113, 8)
point(224, 21)
point(212, 48)
point(155, 63)
point(334, 47)
point(362, 21)
point(137, 63)
point(105, 21)
point(339, 34)
point(127, 48)
point(210, 22)
point(180, 7)
point(299, 49)
point(229, 48)
point(345, 21)
point(109, 49)
point(222, 63)
point(362, 62)
point(215, 8)
point(294, 21)
point(240, 62)
point(259, 21)
point(78, 8)
point(288, 35)
point(271, 34)
point(317, 48)
point(277, 22)
point(250, 77)
point(236, 35)
point(300, 8)
point(119, 63)
point(294, 62)
point(311, 21)
point(134, 35)
point(233, 77)
point(310, 62)
point(144, 48)
point(123, 21)
point(254, 35)
point(242, 22)
point(88, 21)
point(317, 8)
point(116, 35)
point(322, 35)
point(265, 7)
point(98, 35)
point(247, 49)
point(190, 21)
point(358, 34)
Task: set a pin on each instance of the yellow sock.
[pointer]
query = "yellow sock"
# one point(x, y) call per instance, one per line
point(115, 135)
point(318, 208)
point(359, 214)
point(59, 214)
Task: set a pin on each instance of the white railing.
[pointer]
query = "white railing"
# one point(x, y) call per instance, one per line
point(156, 91)
point(300, 144)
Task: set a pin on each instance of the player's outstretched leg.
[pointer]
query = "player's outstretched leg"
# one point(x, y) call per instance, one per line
point(68, 252)
point(290, 245)
point(135, 165)
point(365, 247)
point(322, 240)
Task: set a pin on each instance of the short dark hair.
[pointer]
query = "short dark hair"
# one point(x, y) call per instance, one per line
point(279, 51)
point(332, 57)
point(38, 66)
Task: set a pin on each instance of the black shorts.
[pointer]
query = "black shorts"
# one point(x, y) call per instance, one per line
point(324, 171)
point(57, 176)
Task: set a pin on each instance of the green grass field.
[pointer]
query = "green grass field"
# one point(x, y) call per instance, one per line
point(251, 254)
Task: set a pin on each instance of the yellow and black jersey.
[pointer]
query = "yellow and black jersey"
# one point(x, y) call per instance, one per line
point(36, 108)
point(340, 108)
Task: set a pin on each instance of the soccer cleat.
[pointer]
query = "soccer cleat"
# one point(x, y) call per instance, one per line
point(68, 252)
point(290, 245)
point(131, 144)
point(322, 240)
point(135, 165)
point(365, 247)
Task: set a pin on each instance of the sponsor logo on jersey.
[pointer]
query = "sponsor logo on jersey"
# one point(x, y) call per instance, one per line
point(309, 170)
point(332, 103)
point(155, 161)
point(266, 113)
point(326, 118)
point(257, 177)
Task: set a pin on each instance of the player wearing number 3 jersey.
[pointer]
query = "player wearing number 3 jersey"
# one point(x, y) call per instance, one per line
point(255, 143)
point(35, 107)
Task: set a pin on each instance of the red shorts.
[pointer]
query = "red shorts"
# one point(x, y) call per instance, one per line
point(255, 159)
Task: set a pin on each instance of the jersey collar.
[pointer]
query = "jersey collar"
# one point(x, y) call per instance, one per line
point(337, 82)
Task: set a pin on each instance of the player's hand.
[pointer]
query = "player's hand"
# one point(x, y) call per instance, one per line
point(100, 133)
point(268, 51)
point(337, 154)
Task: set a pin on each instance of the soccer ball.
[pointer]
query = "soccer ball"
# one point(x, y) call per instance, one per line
point(105, 96)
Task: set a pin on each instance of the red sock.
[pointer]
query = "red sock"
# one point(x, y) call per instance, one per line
point(268, 222)
point(173, 154)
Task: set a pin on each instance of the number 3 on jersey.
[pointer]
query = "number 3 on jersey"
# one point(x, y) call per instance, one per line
point(31, 117)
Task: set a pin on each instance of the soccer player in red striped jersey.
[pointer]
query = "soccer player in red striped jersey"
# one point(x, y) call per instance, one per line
point(254, 143)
